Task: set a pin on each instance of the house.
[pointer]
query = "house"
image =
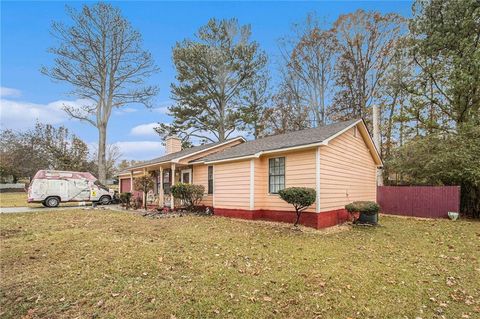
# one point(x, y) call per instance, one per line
point(242, 178)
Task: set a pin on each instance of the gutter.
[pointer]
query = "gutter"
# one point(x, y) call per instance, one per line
point(176, 160)
point(258, 154)
point(323, 143)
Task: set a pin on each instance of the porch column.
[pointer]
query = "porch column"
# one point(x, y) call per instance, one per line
point(160, 189)
point(144, 192)
point(131, 181)
point(172, 200)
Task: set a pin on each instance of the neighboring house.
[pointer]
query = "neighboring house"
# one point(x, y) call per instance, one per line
point(242, 179)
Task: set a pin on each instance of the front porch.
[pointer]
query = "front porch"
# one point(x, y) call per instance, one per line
point(164, 176)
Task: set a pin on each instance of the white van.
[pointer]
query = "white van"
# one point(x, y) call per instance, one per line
point(52, 187)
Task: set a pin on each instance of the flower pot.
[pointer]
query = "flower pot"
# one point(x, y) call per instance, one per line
point(453, 215)
point(368, 219)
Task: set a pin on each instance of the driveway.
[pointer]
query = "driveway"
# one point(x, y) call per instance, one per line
point(13, 210)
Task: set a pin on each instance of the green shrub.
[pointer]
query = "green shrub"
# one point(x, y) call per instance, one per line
point(299, 197)
point(189, 194)
point(125, 199)
point(363, 207)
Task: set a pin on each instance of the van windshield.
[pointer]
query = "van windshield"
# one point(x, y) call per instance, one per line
point(97, 182)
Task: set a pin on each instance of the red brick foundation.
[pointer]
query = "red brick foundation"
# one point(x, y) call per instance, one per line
point(315, 220)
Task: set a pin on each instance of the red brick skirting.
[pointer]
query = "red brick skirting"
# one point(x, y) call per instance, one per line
point(315, 220)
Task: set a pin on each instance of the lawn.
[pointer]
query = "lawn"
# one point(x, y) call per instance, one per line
point(19, 199)
point(99, 264)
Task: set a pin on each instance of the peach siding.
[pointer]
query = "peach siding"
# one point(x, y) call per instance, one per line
point(347, 172)
point(299, 172)
point(232, 185)
point(200, 177)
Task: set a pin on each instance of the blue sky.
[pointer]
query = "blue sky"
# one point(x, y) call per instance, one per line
point(27, 95)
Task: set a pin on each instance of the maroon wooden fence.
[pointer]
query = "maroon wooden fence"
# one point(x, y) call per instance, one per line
point(419, 201)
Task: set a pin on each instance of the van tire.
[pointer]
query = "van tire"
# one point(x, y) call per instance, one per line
point(52, 201)
point(104, 200)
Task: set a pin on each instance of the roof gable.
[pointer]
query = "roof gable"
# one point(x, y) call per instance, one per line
point(302, 138)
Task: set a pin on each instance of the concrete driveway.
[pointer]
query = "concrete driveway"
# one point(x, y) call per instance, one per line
point(13, 210)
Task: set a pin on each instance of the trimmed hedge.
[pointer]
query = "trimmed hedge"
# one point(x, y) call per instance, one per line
point(363, 207)
point(190, 194)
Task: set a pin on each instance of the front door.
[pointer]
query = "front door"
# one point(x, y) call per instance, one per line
point(186, 176)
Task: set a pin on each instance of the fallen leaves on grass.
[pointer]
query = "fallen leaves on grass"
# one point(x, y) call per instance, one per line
point(98, 264)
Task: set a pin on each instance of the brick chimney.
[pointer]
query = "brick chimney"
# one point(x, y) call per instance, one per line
point(173, 144)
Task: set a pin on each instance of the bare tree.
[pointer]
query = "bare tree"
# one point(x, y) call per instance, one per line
point(311, 60)
point(289, 112)
point(366, 43)
point(112, 156)
point(100, 55)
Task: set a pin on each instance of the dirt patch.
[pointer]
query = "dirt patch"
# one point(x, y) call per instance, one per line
point(9, 233)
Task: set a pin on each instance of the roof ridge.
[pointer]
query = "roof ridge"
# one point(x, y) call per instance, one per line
point(280, 141)
point(171, 156)
point(307, 129)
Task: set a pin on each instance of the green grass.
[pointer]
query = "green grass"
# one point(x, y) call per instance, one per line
point(88, 264)
point(19, 199)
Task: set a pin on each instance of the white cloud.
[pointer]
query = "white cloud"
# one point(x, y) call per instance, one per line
point(125, 110)
point(9, 92)
point(162, 107)
point(22, 115)
point(133, 150)
point(140, 150)
point(161, 110)
point(144, 130)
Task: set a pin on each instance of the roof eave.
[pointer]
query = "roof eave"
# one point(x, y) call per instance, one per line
point(325, 142)
point(258, 154)
point(177, 159)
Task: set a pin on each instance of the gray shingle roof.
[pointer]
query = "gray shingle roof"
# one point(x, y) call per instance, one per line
point(172, 156)
point(275, 142)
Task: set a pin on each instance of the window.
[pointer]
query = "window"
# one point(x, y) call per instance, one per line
point(186, 176)
point(210, 180)
point(276, 174)
point(101, 186)
point(167, 181)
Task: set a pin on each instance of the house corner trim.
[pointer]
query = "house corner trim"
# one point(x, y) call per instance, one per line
point(317, 180)
point(252, 184)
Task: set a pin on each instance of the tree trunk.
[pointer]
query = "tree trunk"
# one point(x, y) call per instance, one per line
point(221, 126)
point(322, 107)
point(298, 218)
point(102, 137)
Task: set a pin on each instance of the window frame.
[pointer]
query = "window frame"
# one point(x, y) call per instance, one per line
point(167, 184)
point(210, 180)
point(190, 176)
point(269, 175)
